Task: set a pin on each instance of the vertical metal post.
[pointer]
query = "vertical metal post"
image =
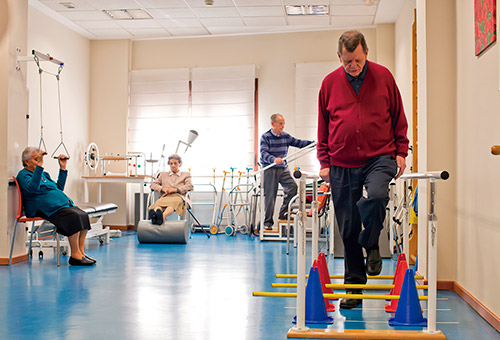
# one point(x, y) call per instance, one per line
point(390, 218)
point(331, 217)
point(406, 225)
point(315, 221)
point(301, 260)
point(432, 263)
point(261, 229)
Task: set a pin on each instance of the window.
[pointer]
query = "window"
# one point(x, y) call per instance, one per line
point(217, 102)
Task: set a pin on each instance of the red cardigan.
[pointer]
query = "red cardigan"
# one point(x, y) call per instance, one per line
point(352, 128)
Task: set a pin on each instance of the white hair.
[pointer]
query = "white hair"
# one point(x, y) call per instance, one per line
point(28, 153)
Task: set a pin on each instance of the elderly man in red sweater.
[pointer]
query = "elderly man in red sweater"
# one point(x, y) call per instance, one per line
point(361, 144)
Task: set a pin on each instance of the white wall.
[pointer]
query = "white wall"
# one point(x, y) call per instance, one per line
point(13, 99)
point(478, 121)
point(48, 36)
point(403, 59)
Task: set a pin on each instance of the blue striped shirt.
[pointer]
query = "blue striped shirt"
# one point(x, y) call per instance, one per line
point(273, 146)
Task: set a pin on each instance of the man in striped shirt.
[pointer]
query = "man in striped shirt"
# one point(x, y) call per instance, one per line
point(273, 148)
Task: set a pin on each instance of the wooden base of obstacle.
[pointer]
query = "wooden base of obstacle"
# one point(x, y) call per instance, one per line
point(379, 277)
point(317, 333)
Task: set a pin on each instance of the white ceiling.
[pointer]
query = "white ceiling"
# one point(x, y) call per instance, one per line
point(192, 18)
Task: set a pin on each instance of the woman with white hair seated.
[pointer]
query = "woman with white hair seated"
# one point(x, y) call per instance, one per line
point(173, 185)
point(42, 197)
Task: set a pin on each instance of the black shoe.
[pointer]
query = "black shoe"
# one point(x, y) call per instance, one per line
point(283, 217)
point(83, 262)
point(89, 258)
point(159, 216)
point(268, 227)
point(152, 216)
point(373, 262)
point(351, 303)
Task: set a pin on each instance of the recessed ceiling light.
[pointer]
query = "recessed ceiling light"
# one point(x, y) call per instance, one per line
point(68, 5)
point(127, 14)
point(307, 9)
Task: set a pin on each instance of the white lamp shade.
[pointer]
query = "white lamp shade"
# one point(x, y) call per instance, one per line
point(192, 136)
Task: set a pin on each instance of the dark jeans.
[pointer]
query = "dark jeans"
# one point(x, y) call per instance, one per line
point(352, 209)
point(273, 177)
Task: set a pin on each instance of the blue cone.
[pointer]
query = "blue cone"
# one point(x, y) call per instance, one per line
point(315, 303)
point(409, 312)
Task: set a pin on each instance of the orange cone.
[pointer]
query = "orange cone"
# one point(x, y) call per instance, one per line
point(329, 307)
point(399, 276)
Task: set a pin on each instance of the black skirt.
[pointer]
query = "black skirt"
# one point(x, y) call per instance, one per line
point(68, 221)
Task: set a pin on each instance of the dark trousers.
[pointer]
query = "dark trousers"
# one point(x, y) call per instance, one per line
point(273, 177)
point(353, 209)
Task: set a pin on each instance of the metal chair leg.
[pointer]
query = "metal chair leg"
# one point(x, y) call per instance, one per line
point(31, 240)
point(12, 245)
point(58, 250)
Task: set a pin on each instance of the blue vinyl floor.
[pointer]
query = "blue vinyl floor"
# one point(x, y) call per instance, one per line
point(202, 290)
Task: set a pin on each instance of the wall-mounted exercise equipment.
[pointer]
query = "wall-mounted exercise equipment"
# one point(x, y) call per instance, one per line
point(38, 57)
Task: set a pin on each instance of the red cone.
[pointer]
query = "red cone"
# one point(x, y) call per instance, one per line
point(399, 276)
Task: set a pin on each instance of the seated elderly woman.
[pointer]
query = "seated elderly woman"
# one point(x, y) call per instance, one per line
point(42, 197)
point(173, 186)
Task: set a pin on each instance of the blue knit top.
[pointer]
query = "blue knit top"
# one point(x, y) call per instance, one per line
point(273, 146)
point(41, 193)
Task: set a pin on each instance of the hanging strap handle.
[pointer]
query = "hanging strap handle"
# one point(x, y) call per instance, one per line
point(60, 116)
point(40, 71)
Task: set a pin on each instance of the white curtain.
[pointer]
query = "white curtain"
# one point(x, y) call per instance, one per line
point(219, 106)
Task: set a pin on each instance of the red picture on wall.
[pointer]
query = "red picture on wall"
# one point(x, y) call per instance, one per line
point(485, 24)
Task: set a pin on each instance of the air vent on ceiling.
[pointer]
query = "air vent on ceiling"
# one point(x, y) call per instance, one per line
point(307, 9)
point(127, 14)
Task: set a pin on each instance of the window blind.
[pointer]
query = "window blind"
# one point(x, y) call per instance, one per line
point(217, 102)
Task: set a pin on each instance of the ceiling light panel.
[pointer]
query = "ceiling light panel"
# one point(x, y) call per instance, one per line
point(307, 9)
point(127, 14)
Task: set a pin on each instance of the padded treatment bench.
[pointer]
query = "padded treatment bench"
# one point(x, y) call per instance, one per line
point(171, 231)
point(98, 210)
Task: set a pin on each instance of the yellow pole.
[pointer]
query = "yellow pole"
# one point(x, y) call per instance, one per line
point(347, 286)
point(338, 296)
point(380, 277)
